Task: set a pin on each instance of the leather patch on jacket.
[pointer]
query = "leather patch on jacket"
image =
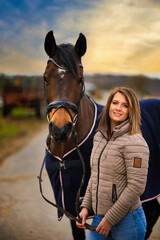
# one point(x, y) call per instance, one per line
point(137, 162)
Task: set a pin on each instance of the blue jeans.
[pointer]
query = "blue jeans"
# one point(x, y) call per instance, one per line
point(131, 227)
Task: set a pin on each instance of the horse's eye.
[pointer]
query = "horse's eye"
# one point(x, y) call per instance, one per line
point(46, 81)
point(80, 80)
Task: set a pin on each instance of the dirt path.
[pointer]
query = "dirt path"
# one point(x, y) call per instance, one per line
point(24, 215)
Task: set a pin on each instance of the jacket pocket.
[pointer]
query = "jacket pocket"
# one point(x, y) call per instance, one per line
point(114, 193)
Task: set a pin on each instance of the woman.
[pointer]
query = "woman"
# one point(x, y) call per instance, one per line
point(119, 167)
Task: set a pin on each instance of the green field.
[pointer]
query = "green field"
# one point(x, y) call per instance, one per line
point(17, 126)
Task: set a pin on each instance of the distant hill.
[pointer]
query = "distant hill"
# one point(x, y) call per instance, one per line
point(140, 83)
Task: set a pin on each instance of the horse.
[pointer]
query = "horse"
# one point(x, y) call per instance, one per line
point(73, 118)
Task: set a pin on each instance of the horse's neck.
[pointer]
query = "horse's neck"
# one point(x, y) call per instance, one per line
point(85, 118)
point(83, 125)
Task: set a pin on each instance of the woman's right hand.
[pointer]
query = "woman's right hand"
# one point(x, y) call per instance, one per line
point(83, 215)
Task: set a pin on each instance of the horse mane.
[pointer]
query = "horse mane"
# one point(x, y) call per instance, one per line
point(68, 57)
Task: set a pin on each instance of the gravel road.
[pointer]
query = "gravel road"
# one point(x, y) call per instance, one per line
point(24, 215)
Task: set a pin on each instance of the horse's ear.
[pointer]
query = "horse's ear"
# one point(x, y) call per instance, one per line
point(81, 45)
point(50, 44)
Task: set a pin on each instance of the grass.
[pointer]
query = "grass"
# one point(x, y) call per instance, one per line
point(20, 121)
point(8, 130)
point(15, 128)
point(20, 112)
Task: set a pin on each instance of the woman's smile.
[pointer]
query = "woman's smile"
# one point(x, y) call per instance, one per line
point(118, 111)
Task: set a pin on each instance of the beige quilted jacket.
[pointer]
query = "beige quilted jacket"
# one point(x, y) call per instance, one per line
point(119, 170)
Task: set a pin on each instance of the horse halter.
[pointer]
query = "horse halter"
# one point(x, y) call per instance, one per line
point(64, 103)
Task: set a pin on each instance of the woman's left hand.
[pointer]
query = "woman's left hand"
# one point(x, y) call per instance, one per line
point(104, 227)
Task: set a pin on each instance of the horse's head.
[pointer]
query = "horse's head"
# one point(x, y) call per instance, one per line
point(63, 80)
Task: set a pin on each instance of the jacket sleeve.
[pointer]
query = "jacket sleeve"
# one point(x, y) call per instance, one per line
point(136, 157)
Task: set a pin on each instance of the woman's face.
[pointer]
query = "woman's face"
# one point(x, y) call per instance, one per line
point(118, 111)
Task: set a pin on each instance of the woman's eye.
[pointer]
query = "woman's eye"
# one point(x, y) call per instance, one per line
point(125, 105)
point(114, 102)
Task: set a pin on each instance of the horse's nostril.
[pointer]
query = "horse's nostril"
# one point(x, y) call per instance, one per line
point(54, 130)
point(50, 125)
point(66, 130)
point(51, 128)
point(69, 126)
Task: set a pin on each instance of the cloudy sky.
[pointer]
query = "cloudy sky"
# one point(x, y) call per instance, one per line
point(123, 36)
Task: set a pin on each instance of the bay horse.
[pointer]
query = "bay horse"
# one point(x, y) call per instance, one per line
point(73, 118)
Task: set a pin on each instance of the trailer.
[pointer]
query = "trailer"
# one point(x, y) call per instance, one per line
point(23, 93)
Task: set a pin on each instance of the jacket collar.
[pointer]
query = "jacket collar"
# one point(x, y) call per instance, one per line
point(120, 129)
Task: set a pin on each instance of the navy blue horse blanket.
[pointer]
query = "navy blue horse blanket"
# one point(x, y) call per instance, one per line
point(150, 116)
point(65, 174)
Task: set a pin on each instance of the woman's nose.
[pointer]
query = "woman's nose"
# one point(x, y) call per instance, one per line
point(118, 107)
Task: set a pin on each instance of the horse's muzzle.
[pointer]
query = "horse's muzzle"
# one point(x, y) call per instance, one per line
point(60, 135)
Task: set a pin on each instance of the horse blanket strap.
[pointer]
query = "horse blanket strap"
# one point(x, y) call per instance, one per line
point(88, 226)
point(66, 164)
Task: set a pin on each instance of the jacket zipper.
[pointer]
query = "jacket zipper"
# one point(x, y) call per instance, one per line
point(98, 175)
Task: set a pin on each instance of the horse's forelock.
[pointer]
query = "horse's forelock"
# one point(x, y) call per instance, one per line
point(67, 57)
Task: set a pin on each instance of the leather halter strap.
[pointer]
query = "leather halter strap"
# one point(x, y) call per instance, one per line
point(62, 103)
point(59, 66)
point(69, 215)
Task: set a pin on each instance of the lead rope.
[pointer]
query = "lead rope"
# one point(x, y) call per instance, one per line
point(88, 226)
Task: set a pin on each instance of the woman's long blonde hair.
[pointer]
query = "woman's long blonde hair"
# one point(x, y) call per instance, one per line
point(133, 107)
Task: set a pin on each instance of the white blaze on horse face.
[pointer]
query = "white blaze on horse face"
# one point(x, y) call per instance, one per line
point(61, 72)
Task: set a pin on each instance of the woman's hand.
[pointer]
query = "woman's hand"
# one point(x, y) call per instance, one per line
point(83, 215)
point(104, 227)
